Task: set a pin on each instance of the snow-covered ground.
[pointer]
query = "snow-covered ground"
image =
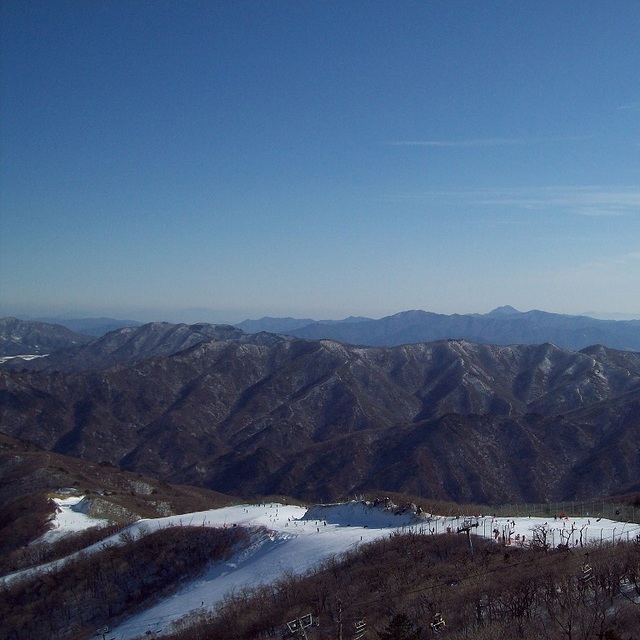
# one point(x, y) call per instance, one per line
point(296, 539)
point(71, 516)
point(24, 357)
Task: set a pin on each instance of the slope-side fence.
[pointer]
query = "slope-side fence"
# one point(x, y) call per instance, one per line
point(579, 509)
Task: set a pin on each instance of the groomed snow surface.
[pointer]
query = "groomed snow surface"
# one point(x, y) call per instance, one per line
point(297, 539)
point(70, 517)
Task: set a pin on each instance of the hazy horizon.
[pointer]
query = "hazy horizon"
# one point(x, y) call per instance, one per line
point(192, 316)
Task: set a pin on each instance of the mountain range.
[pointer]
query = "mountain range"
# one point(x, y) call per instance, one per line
point(502, 326)
point(259, 414)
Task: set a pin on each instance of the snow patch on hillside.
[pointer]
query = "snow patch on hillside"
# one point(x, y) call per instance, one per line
point(71, 517)
point(29, 356)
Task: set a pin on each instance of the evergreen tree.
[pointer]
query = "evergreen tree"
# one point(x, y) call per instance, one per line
point(400, 628)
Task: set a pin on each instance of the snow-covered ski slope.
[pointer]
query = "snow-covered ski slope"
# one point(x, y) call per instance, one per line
point(292, 540)
point(295, 540)
point(71, 516)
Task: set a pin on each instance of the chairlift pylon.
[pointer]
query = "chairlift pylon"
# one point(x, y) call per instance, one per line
point(437, 623)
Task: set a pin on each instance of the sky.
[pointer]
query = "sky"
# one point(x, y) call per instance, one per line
point(222, 160)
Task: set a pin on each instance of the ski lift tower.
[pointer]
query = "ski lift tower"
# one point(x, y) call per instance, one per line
point(466, 527)
point(299, 626)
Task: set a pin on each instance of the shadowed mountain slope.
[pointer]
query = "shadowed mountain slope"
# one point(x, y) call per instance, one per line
point(260, 414)
point(128, 345)
point(26, 337)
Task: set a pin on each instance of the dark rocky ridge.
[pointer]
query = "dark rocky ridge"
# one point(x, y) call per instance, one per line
point(261, 414)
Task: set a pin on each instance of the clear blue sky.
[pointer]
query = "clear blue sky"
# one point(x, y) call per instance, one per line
point(222, 160)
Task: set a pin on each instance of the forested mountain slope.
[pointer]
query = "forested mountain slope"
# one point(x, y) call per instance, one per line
point(257, 414)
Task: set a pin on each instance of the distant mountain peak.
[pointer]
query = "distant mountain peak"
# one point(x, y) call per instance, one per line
point(504, 325)
point(506, 310)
